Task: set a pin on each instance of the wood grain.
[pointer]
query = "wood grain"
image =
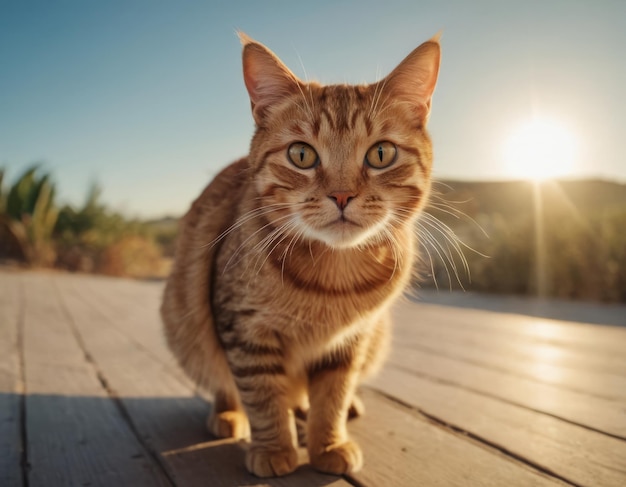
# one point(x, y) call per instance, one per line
point(405, 447)
point(76, 435)
point(417, 324)
point(601, 414)
point(575, 453)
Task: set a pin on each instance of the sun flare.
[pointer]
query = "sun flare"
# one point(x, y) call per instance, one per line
point(540, 149)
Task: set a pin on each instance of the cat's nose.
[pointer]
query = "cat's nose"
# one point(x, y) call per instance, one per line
point(342, 198)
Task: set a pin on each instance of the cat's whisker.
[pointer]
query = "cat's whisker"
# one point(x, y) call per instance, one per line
point(448, 231)
point(448, 261)
point(284, 235)
point(448, 251)
point(456, 213)
point(378, 91)
point(432, 266)
point(393, 245)
point(260, 229)
point(449, 236)
point(250, 215)
point(287, 252)
point(309, 108)
point(250, 237)
point(427, 238)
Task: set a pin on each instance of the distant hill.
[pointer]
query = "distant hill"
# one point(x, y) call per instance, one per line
point(516, 198)
point(581, 244)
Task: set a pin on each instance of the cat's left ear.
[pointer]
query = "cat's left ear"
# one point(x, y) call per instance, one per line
point(414, 79)
point(267, 79)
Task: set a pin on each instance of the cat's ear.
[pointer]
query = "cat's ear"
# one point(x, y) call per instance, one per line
point(414, 79)
point(267, 79)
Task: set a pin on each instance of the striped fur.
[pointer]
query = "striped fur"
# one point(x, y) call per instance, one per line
point(279, 297)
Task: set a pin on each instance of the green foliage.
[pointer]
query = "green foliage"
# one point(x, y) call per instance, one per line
point(29, 215)
point(91, 238)
point(84, 234)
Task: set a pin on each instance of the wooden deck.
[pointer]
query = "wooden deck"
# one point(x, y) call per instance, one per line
point(90, 396)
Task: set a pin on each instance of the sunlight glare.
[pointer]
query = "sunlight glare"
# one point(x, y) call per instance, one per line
point(540, 149)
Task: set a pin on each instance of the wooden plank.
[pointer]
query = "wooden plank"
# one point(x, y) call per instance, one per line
point(594, 412)
point(597, 339)
point(76, 435)
point(541, 365)
point(581, 456)
point(169, 417)
point(413, 326)
point(402, 448)
point(10, 383)
point(132, 308)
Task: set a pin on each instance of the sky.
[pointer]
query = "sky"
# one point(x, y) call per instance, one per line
point(147, 97)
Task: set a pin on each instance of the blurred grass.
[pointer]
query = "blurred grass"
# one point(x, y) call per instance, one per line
point(90, 238)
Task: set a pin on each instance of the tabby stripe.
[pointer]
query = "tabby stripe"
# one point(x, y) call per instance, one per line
point(269, 152)
point(272, 369)
point(271, 434)
point(259, 403)
point(226, 326)
point(341, 359)
point(288, 176)
point(353, 119)
point(243, 389)
point(329, 118)
point(362, 287)
point(271, 191)
point(316, 127)
point(369, 128)
point(416, 153)
point(253, 348)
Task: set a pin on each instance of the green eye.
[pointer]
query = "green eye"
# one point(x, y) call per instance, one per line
point(381, 155)
point(302, 155)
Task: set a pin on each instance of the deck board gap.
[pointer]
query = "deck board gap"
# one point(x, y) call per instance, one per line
point(484, 442)
point(438, 380)
point(112, 394)
point(24, 462)
point(166, 366)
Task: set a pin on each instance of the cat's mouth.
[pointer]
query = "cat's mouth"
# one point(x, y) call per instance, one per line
point(342, 221)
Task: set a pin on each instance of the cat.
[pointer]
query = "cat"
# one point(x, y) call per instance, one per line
point(288, 262)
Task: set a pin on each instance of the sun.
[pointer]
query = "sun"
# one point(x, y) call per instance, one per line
point(540, 149)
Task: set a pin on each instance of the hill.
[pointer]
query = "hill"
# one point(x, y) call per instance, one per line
point(573, 228)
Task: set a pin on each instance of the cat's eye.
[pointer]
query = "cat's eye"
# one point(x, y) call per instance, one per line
point(302, 155)
point(381, 155)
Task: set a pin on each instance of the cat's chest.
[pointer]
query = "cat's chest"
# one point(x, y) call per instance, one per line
point(308, 298)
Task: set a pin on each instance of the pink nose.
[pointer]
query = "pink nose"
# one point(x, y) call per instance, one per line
point(342, 198)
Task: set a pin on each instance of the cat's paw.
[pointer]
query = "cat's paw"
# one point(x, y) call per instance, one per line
point(229, 424)
point(271, 463)
point(357, 409)
point(339, 459)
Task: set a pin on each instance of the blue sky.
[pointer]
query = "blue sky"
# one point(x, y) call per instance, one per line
point(146, 97)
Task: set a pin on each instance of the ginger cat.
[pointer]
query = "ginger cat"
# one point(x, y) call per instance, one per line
point(288, 262)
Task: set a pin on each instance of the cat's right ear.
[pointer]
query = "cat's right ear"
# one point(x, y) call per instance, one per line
point(267, 79)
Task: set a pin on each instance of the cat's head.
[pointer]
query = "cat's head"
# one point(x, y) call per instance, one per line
point(341, 164)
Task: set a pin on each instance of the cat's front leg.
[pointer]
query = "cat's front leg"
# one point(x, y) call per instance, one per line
point(331, 390)
point(272, 451)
